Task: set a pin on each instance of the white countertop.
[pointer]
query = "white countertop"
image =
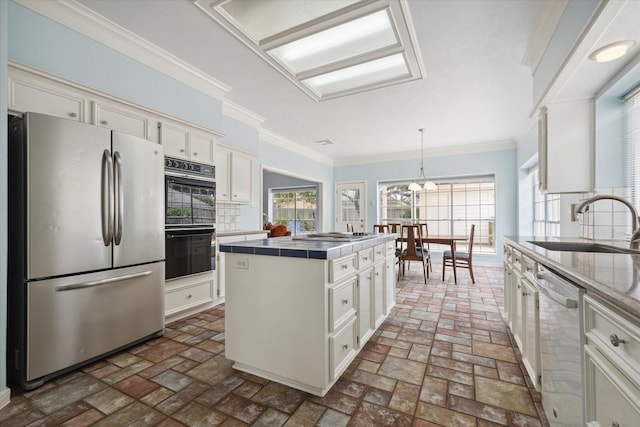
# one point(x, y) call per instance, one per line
point(614, 277)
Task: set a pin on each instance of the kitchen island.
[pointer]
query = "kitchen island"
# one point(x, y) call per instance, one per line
point(299, 310)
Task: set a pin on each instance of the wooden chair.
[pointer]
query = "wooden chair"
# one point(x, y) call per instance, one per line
point(349, 228)
point(381, 228)
point(395, 227)
point(463, 259)
point(424, 229)
point(410, 251)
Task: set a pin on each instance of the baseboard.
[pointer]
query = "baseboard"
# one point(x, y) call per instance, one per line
point(5, 397)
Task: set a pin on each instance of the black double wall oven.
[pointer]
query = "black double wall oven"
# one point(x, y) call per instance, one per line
point(190, 217)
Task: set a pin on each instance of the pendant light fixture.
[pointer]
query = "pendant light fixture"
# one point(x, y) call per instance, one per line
point(418, 185)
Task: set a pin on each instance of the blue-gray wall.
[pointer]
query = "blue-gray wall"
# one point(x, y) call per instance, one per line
point(501, 164)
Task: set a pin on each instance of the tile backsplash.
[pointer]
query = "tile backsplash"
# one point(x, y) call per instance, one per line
point(227, 217)
point(607, 219)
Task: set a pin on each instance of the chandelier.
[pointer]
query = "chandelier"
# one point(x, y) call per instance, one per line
point(422, 181)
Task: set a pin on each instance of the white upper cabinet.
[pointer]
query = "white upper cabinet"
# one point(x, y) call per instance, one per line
point(123, 119)
point(27, 94)
point(566, 146)
point(234, 176)
point(187, 143)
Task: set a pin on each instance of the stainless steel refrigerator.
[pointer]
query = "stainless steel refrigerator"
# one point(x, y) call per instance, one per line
point(86, 245)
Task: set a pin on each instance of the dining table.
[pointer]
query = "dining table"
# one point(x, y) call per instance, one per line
point(449, 240)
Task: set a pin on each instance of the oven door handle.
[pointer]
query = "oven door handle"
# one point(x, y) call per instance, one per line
point(188, 232)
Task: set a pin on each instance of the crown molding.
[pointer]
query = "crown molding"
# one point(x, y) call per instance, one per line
point(83, 20)
point(241, 114)
point(461, 149)
point(548, 19)
point(275, 139)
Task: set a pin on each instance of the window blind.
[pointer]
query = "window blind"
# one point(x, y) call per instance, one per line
point(631, 124)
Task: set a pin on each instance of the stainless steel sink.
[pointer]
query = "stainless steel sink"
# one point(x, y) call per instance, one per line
point(584, 247)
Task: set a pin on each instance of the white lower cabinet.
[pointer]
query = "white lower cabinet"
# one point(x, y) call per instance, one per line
point(365, 310)
point(185, 296)
point(531, 331)
point(612, 363)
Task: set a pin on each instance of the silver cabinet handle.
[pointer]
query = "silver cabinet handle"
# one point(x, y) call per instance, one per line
point(345, 266)
point(104, 122)
point(345, 346)
point(615, 424)
point(615, 341)
point(182, 150)
point(345, 301)
point(195, 154)
point(102, 281)
point(73, 115)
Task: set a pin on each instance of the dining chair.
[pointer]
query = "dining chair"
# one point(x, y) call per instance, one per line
point(395, 227)
point(463, 259)
point(349, 228)
point(410, 251)
point(381, 228)
point(424, 229)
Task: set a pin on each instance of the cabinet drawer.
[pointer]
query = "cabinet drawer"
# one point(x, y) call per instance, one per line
point(379, 253)
point(605, 327)
point(25, 96)
point(612, 400)
point(183, 297)
point(390, 248)
point(342, 305)
point(342, 267)
point(342, 348)
point(365, 258)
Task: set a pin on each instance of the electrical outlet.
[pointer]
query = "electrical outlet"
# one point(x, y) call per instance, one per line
point(242, 263)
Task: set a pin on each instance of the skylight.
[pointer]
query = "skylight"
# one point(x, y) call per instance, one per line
point(327, 48)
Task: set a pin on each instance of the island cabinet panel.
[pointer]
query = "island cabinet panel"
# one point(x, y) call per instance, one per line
point(301, 321)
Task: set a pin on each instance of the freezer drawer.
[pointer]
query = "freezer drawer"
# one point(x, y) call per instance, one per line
point(74, 319)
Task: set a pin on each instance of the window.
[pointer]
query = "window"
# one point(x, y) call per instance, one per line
point(294, 207)
point(546, 211)
point(631, 123)
point(451, 208)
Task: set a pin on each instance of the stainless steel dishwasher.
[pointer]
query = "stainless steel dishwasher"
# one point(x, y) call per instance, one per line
point(561, 348)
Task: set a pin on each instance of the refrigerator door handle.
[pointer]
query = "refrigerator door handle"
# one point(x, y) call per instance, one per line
point(119, 197)
point(102, 281)
point(107, 198)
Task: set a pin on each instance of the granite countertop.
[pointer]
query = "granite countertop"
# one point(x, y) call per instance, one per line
point(290, 247)
point(613, 276)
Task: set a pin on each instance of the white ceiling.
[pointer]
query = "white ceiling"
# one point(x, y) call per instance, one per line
point(476, 91)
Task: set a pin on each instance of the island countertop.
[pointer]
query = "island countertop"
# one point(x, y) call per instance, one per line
point(613, 276)
point(295, 248)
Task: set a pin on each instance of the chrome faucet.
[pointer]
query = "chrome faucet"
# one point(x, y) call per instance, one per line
point(635, 219)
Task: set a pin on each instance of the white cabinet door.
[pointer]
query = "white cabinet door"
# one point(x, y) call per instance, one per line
point(365, 312)
point(39, 98)
point(223, 181)
point(175, 140)
point(202, 147)
point(120, 119)
point(389, 284)
point(531, 332)
point(516, 322)
point(378, 293)
point(241, 178)
point(566, 132)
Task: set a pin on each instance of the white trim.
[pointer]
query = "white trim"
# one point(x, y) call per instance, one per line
point(85, 21)
point(241, 114)
point(272, 138)
point(547, 22)
point(432, 152)
point(5, 397)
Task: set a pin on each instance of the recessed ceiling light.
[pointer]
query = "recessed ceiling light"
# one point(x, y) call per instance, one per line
point(612, 51)
point(324, 142)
